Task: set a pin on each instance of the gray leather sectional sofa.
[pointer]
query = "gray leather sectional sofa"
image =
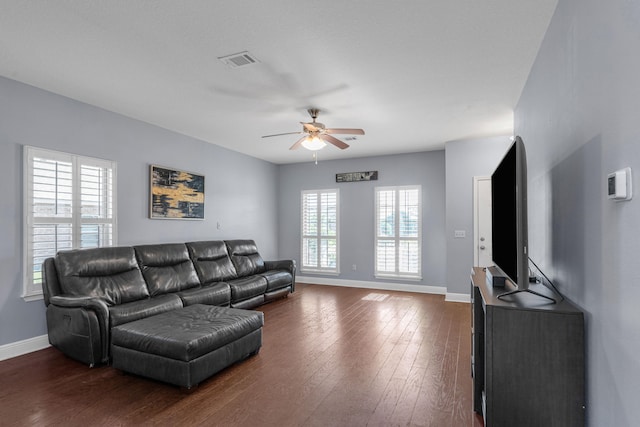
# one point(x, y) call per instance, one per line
point(88, 292)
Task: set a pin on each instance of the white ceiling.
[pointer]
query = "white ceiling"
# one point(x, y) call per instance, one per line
point(413, 74)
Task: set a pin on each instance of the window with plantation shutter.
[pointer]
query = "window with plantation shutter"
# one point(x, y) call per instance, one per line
point(398, 232)
point(69, 203)
point(320, 231)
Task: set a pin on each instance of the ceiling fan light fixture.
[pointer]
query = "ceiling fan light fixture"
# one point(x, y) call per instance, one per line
point(313, 143)
point(317, 135)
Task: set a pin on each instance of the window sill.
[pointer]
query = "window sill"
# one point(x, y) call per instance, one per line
point(32, 297)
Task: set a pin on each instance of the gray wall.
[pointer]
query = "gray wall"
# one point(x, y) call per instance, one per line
point(240, 191)
point(466, 159)
point(357, 209)
point(578, 115)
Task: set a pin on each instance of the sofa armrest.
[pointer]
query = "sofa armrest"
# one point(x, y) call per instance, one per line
point(90, 303)
point(95, 305)
point(285, 264)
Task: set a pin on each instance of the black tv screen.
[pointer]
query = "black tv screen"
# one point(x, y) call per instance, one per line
point(509, 215)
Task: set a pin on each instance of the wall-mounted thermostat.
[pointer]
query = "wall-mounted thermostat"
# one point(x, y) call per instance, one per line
point(619, 185)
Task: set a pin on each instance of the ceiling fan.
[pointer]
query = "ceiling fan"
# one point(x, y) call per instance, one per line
point(317, 135)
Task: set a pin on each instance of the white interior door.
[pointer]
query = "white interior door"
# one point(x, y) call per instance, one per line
point(482, 221)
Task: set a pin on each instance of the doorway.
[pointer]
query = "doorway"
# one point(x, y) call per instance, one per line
point(482, 249)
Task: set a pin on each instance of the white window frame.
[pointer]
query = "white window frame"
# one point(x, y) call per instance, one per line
point(397, 274)
point(319, 269)
point(32, 290)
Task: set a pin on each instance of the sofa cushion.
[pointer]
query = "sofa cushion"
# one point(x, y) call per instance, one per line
point(166, 268)
point(111, 274)
point(247, 287)
point(277, 279)
point(214, 294)
point(134, 310)
point(245, 257)
point(211, 261)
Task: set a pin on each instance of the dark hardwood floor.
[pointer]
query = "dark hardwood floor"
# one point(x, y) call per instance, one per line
point(331, 356)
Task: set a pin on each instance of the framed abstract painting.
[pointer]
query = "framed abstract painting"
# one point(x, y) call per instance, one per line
point(175, 194)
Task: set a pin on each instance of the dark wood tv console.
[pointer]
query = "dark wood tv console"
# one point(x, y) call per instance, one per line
point(528, 357)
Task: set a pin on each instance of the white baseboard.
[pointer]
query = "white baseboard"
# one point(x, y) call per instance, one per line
point(458, 298)
point(19, 348)
point(386, 286)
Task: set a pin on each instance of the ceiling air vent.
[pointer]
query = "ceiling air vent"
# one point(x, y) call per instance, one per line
point(238, 60)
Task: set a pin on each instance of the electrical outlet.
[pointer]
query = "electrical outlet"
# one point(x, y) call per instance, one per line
point(354, 267)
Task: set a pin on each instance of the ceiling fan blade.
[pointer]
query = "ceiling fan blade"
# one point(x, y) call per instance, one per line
point(297, 144)
point(280, 134)
point(344, 131)
point(309, 126)
point(335, 141)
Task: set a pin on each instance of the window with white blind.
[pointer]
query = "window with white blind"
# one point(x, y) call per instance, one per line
point(320, 217)
point(69, 203)
point(398, 232)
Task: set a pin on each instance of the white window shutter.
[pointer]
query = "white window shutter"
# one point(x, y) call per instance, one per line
point(69, 202)
point(398, 236)
point(320, 224)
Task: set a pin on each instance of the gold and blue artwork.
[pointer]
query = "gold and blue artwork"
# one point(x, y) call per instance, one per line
point(176, 194)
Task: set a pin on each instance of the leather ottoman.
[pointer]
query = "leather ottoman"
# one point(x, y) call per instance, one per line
point(185, 346)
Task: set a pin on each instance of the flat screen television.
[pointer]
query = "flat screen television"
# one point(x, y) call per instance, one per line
point(509, 215)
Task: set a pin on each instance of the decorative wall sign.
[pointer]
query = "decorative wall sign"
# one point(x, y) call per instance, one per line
point(176, 194)
point(357, 176)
